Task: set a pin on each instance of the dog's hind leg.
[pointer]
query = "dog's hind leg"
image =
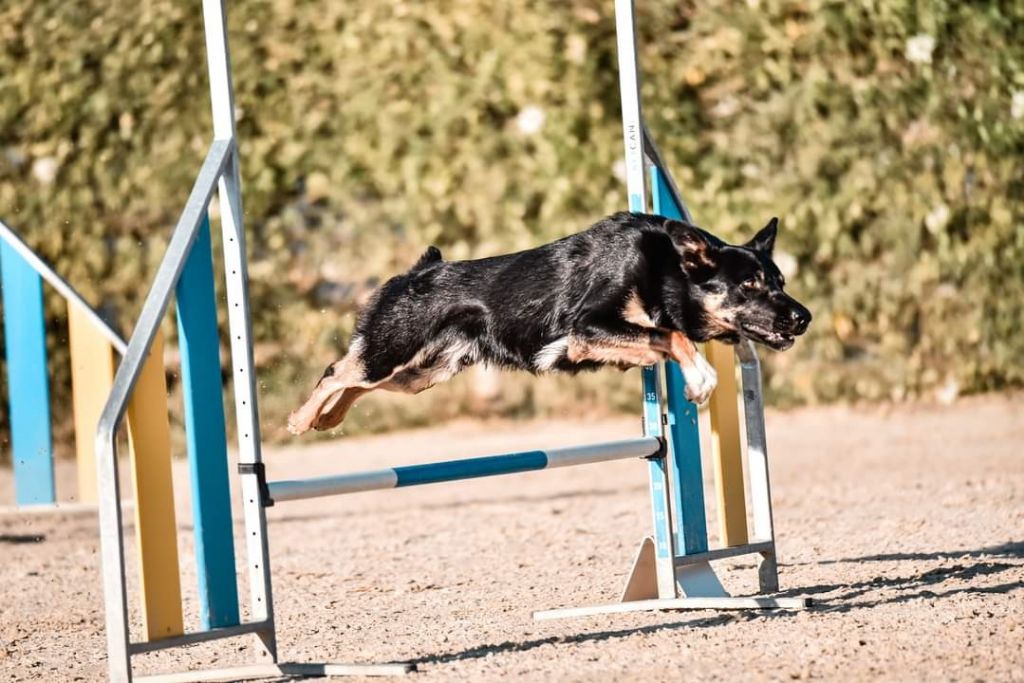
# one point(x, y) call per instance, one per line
point(334, 411)
point(444, 360)
point(338, 389)
point(409, 369)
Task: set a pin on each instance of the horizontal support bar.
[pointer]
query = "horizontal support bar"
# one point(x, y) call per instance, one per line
point(58, 508)
point(61, 285)
point(675, 604)
point(282, 670)
point(722, 553)
point(455, 470)
point(199, 637)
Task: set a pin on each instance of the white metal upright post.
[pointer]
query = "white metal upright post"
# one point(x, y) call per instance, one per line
point(757, 464)
point(243, 376)
point(636, 188)
point(629, 91)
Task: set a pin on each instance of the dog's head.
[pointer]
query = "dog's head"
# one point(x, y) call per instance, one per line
point(735, 291)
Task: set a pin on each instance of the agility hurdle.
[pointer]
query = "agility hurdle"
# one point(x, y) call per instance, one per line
point(93, 344)
point(672, 568)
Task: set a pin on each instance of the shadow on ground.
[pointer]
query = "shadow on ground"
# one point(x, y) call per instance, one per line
point(923, 585)
point(920, 585)
point(597, 636)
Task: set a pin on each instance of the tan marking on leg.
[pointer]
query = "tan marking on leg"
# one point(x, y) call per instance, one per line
point(622, 352)
point(699, 375)
point(634, 311)
point(333, 413)
point(681, 349)
point(335, 394)
point(414, 380)
point(415, 377)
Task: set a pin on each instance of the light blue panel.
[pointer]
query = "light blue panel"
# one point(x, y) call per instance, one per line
point(205, 435)
point(686, 471)
point(664, 202)
point(658, 468)
point(28, 390)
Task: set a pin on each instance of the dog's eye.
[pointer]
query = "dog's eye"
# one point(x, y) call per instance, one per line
point(751, 284)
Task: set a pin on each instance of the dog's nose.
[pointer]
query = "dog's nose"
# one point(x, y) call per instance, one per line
point(799, 318)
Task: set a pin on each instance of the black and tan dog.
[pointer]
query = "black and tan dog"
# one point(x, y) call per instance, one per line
point(631, 290)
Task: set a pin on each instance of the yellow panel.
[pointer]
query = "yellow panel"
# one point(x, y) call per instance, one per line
point(149, 436)
point(726, 448)
point(92, 373)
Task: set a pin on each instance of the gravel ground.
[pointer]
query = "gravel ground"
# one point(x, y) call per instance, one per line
point(905, 523)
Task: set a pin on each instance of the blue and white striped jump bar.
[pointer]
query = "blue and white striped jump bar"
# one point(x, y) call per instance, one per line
point(454, 470)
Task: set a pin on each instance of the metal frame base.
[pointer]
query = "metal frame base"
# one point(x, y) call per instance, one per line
point(73, 508)
point(292, 670)
point(696, 580)
point(42, 509)
point(665, 604)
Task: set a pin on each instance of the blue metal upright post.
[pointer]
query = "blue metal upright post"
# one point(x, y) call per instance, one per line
point(205, 434)
point(28, 392)
point(686, 473)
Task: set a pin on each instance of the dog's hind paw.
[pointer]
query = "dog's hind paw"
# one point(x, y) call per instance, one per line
point(701, 380)
point(296, 426)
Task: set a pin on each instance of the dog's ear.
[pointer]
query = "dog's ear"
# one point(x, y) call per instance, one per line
point(694, 246)
point(764, 240)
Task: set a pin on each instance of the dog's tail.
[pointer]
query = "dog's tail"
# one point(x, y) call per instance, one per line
point(431, 256)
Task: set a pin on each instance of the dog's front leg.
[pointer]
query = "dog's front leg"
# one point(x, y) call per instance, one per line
point(701, 378)
point(625, 344)
point(633, 345)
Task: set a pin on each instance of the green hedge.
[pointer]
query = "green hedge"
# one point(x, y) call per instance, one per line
point(886, 135)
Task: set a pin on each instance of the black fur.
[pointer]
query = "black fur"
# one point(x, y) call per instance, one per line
point(505, 310)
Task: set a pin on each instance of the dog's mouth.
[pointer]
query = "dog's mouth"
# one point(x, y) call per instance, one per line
point(773, 339)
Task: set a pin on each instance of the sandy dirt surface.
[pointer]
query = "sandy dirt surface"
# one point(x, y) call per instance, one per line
point(905, 523)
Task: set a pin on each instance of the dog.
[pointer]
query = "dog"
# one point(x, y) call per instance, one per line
point(632, 290)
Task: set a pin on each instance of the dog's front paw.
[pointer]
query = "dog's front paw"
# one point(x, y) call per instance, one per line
point(701, 380)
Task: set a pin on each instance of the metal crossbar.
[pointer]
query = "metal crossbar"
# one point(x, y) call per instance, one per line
point(198, 637)
point(659, 604)
point(62, 286)
point(457, 470)
point(279, 670)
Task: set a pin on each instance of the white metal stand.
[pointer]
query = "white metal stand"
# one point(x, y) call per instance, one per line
point(696, 582)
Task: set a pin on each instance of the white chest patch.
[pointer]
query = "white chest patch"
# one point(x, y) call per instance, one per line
point(546, 358)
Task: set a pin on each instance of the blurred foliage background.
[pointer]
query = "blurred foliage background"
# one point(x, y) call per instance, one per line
point(887, 134)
